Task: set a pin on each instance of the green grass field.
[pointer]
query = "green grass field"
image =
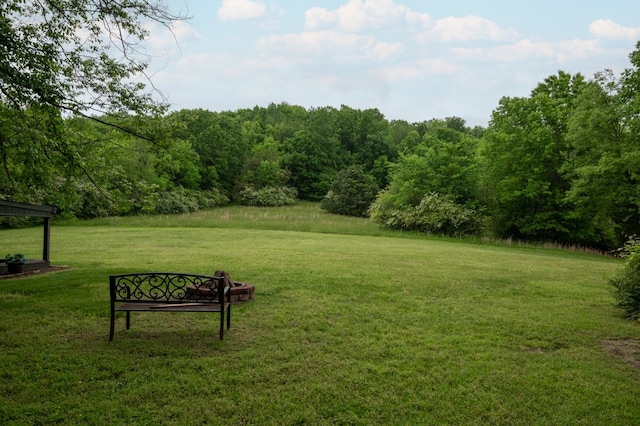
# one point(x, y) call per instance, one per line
point(351, 325)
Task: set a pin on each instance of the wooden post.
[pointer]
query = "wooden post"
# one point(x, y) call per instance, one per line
point(46, 249)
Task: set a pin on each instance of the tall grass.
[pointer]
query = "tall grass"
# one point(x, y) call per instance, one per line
point(304, 216)
point(350, 325)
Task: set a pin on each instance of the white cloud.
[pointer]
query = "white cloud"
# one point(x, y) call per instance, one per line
point(424, 67)
point(383, 51)
point(317, 46)
point(527, 50)
point(378, 53)
point(318, 17)
point(437, 66)
point(358, 15)
point(234, 10)
point(606, 28)
point(319, 43)
point(465, 29)
point(401, 72)
point(571, 50)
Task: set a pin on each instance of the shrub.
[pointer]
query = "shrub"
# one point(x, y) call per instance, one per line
point(176, 201)
point(211, 198)
point(17, 222)
point(133, 198)
point(626, 283)
point(92, 203)
point(351, 193)
point(268, 196)
point(436, 213)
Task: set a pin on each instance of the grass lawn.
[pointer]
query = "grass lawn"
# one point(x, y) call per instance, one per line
point(351, 324)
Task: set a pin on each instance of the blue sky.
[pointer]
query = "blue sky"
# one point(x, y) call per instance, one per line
point(413, 60)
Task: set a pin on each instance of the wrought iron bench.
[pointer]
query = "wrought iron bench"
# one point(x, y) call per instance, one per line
point(169, 292)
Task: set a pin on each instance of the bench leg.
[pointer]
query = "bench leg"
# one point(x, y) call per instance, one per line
point(113, 320)
point(128, 319)
point(222, 325)
point(228, 317)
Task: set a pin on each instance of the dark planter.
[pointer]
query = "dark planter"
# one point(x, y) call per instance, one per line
point(16, 268)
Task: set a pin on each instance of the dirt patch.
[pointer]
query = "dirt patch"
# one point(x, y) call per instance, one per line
point(629, 350)
point(33, 272)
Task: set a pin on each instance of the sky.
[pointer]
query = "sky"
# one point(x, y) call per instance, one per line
point(413, 60)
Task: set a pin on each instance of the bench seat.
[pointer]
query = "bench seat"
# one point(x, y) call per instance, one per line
point(169, 292)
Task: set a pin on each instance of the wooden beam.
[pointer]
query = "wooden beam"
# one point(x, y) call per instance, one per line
point(10, 208)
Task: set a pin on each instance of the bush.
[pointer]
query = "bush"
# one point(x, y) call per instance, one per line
point(268, 196)
point(92, 203)
point(17, 222)
point(626, 283)
point(134, 198)
point(211, 198)
point(176, 201)
point(180, 200)
point(351, 194)
point(436, 213)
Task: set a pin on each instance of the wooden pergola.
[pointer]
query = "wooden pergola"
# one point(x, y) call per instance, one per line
point(10, 208)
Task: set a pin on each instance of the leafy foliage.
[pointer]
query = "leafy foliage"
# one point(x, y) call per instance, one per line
point(15, 259)
point(433, 186)
point(268, 196)
point(263, 167)
point(560, 165)
point(177, 201)
point(606, 156)
point(437, 214)
point(308, 157)
point(351, 193)
point(626, 282)
point(77, 55)
point(66, 59)
point(524, 153)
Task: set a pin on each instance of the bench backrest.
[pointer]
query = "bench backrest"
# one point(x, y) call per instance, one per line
point(167, 287)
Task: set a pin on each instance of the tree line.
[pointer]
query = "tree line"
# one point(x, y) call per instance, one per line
point(560, 165)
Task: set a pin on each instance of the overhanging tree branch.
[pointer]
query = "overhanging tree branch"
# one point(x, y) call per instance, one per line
point(78, 55)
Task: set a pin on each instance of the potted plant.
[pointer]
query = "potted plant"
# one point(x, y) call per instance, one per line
point(15, 262)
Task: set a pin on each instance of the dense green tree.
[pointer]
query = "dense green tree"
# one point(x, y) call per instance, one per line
point(217, 139)
point(444, 161)
point(321, 123)
point(600, 178)
point(399, 131)
point(456, 123)
point(630, 93)
point(307, 156)
point(178, 165)
point(605, 160)
point(525, 152)
point(433, 185)
point(351, 193)
point(282, 121)
point(369, 140)
point(28, 169)
point(66, 58)
point(450, 153)
point(221, 152)
point(263, 166)
point(410, 142)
